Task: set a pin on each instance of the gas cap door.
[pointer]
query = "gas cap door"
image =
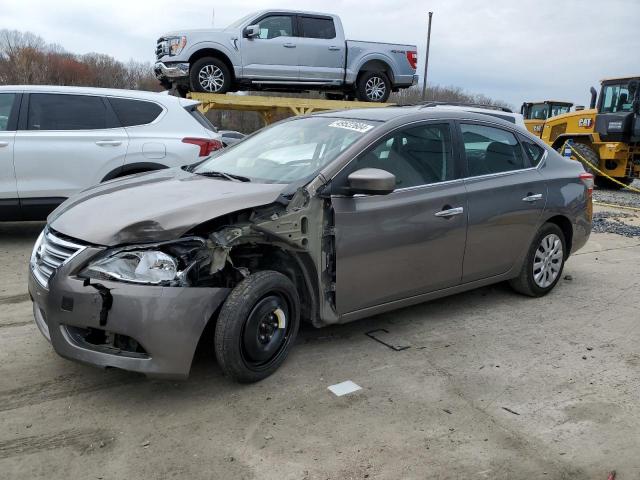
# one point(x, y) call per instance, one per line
point(154, 150)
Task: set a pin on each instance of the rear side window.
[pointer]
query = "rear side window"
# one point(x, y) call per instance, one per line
point(490, 150)
point(534, 151)
point(315, 27)
point(135, 112)
point(6, 103)
point(200, 118)
point(66, 112)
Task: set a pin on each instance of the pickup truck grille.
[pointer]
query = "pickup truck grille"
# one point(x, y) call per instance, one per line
point(162, 48)
point(51, 253)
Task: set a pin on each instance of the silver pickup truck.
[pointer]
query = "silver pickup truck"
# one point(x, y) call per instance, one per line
point(284, 50)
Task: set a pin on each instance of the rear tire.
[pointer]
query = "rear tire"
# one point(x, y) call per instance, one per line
point(257, 326)
point(589, 155)
point(210, 75)
point(373, 87)
point(543, 264)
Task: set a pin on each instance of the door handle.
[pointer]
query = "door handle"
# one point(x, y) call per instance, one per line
point(334, 48)
point(108, 143)
point(4, 144)
point(450, 212)
point(532, 197)
point(289, 45)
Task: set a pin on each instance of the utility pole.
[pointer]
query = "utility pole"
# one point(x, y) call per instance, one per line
point(426, 60)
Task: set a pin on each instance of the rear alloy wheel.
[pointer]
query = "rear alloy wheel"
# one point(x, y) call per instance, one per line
point(544, 263)
point(257, 326)
point(373, 87)
point(210, 75)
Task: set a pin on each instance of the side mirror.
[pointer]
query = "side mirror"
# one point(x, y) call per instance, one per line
point(371, 181)
point(252, 31)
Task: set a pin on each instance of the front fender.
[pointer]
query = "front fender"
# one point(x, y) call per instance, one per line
point(225, 47)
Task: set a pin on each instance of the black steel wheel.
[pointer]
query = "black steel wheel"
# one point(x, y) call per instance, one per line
point(257, 326)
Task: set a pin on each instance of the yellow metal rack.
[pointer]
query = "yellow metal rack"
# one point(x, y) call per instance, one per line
point(267, 107)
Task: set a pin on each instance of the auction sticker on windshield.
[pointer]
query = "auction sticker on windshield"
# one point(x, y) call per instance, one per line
point(352, 125)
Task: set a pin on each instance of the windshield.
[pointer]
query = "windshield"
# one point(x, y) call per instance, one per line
point(616, 98)
point(538, 111)
point(289, 151)
point(240, 21)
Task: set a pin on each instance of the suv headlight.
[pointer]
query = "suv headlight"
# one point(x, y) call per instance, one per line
point(177, 44)
point(163, 264)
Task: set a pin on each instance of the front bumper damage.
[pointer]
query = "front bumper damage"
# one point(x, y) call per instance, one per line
point(171, 70)
point(165, 323)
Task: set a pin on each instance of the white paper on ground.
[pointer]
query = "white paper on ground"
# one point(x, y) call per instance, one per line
point(344, 388)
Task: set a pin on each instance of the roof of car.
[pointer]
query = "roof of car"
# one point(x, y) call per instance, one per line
point(137, 94)
point(386, 114)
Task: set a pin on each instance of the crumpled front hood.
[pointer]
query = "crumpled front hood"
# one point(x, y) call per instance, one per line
point(154, 207)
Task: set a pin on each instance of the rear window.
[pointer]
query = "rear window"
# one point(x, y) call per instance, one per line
point(315, 27)
point(135, 112)
point(49, 111)
point(200, 118)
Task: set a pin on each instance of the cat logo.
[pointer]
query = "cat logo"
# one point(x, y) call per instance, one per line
point(537, 128)
point(585, 122)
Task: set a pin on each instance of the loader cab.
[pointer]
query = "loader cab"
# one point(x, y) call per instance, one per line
point(619, 110)
point(536, 113)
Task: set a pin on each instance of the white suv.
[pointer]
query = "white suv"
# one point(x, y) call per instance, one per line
point(56, 141)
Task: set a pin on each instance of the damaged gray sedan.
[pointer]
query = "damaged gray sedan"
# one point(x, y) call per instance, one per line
point(323, 219)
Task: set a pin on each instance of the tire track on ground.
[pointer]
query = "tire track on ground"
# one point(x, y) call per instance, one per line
point(81, 440)
point(63, 386)
point(22, 297)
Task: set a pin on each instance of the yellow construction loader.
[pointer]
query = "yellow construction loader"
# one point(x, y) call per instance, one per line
point(605, 137)
point(535, 113)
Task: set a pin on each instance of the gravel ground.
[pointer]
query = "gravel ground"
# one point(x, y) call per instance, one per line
point(618, 223)
point(620, 197)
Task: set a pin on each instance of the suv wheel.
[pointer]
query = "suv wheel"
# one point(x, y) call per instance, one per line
point(257, 326)
point(544, 263)
point(373, 87)
point(210, 75)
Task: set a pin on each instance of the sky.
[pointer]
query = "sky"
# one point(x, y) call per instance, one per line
point(512, 50)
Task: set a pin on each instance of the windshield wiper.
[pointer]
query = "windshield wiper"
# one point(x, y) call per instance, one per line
point(228, 176)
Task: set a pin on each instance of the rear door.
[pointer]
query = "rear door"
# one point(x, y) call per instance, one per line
point(65, 143)
point(9, 204)
point(273, 54)
point(390, 247)
point(506, 198)
point(321, 52)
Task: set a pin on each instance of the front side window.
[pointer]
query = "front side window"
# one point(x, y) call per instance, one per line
point(289, 151)
point(559, 109)
point(616, 98)
point(135, 112)
point(416, 156)
point(49, 111)
point(6, 103)
point(315, 27)
point(538, 111)
point(490, 150)
point(276, 26)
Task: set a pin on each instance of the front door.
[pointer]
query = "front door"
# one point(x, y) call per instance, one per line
point(273, 54)
point(321, 53)
point(69, 143)
point(411, 241)
point(506, 198)
point(9, 204)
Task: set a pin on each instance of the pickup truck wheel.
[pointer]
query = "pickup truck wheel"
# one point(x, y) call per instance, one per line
point(257, 326)
point(373, 87)
point(210, 75)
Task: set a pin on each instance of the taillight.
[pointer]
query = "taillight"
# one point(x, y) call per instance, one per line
point(412, 57)
point(207, 145)
point(588, 181)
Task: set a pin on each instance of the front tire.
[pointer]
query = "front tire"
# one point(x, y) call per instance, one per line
point(373, 87)
point(257, 326)
point(210, 75)
point(589, 154)
point(543, 264)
